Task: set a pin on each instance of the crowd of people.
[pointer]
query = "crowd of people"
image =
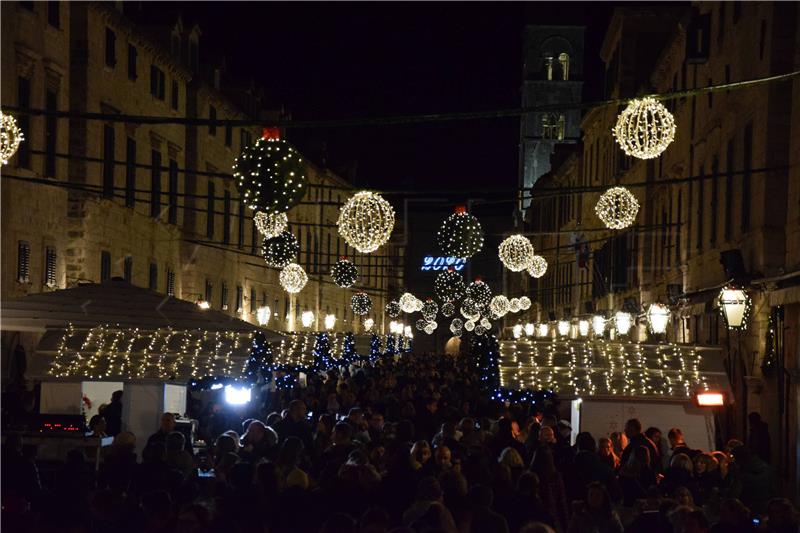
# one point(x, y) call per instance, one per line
point(407, 445)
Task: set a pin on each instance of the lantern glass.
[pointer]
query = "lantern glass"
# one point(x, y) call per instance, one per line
point(368, 323)
point(543, 330)
point(658, 318)
point(262, 315)
point(583, 327)
point(734, 306)
point(307, 318)
point(598, 325)
point(407, 331)
point(529, 329)
point(563, 328)
point(623, 322)
point(517, 330)
point(330, 321)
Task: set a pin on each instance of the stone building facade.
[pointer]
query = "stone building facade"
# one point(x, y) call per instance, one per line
point(720, 205)
point(86, 200)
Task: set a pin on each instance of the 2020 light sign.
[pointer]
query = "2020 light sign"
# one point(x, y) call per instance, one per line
point(430, 262)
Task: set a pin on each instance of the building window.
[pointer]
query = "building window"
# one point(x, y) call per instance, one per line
point(50, 134)
point(24, 102)
point(253, 238)
point(54, 14)
point(170, 282)
point(747, 165)
point(239, 298)
point(128, 269)
point(729, 155)
point(23, 262)
point(700, 204)
point(155, 184)
point(111, 48)
point(153, 281)
point(241, 223)
point(50, 267)
point(209, 290)
point(245, 139)
point(212, 115)
point(679, 218)
point(108, 161)
point(226, 220)
point(157, 82)
point(253, 302)
point(714, 199)
point(175, 89)
point(130, 172)
point(173, 192)
point(210, 211)
point(224, 296)
point(105, 265)
point(563, 60)
point(228, 135)
point(132, 53)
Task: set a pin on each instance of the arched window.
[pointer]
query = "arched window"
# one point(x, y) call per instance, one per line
point(563, 59)
point(548, 67)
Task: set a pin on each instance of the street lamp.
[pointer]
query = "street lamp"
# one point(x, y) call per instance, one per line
point(368, 323)
point(623, 322)
point(563, 328)
point(262, 315)
point(529, 329)
point(517, 331)
point(658, 318)
point(330, 321)
point(307, 318)
point(735, 307)
point(543, 330)
point(598, 325)
point(583, 327)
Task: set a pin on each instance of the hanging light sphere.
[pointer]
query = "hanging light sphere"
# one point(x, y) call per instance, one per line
point(456, 323)
point(271, 224)
point(281, 250)
point(393, 309)
point(563, 328)
point(449, 286)
point(429, 328)
point(499, 305)
point(448, 309)
point(366, 221)
point(486, 323)
point(270, 176)
point(360, 303)
point(421, 324)
point(469, 325)
point(460, 235)
point(11, 137)
point(524, 303)
point(513, 305)
point(479, 292)
point(538, 266)
point(617, 208)
point(645, 128)
point(293, 278)
point(516, 252)
point(408, 303)
point(429, 310)
point(470, 309)
point(479, 330)
point(344, 273)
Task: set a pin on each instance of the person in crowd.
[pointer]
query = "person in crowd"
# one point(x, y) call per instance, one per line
point(551, 487)
point(758, 439)
point(177, 457)
point(605, 450)
point(21, 486)
point(421, 455)
point(484, 519)
point(633, 430)
point(636, 476)
point(782, 517)
point(679, 474)
point(734, 517)
point(513, 460)
point(677, 444)
point(119, 462)
point(376, 424)
point(654, 434)
point(707, 477)
point(588, 467)
point(295, 425)
point(429, 491)
point(166, 427)
point(259, 442)
point(756, 480)
point(527, 506)
point(619, 441)
point(98, 427)
point(113, 414)
point(596, 514)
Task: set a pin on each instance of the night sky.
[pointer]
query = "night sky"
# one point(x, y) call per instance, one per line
point(354, 60)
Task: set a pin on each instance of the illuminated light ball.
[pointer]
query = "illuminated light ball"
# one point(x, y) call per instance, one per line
point(469, 325)
point(460, 235)
point(429, 328)
point(538, 266)
point(486, 323)
point(281, 250)
point(418, 304)
point(448, 309)
point(499, 305)
point(360, 303)
point(393, 309)
point(271, 224)
point(429, 310)
point(617, 208)
point(408, 302)
point(645, 128)
point(270, 176)
point(513, 305)
point(366, 221)
point(456, 324)
point(479, 292)
point(368, 323)
point(516, 252)
point(524, 303)
point(11, 136)
point(421, 324)
point(449, 286)
point(480, 330)
point(469, 309)
point(293, 278)
point(344, 273)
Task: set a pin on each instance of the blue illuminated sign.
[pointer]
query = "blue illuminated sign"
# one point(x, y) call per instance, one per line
point(430, 262)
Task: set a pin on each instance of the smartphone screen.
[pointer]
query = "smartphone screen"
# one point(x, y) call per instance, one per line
point(205, 473)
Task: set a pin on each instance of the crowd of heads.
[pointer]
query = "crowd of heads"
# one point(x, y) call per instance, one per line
point(410, 444)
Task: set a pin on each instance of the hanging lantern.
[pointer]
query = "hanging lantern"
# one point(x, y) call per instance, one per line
point(479, 292)
point(360, 303)
point(516, 252)
point(448, 309)
point(499, 305)
point(460, 235)
point(330, 321)
point(486, 323)
point(307, 318)
point(429, 310)
point(344, 273)
point(529, 329)
point(393, 309)
point(583, 328)
point(366, 221)
point(514, 305)
point(645, 128)
point(408, 303)
point(293, 278)
point(262, 315)
point(11, 137)
point(543, 330)
point(271, 224)
point(430, 328)
point(623, 322)
point(658, 318)
point(735, 304)
point(270, 176)
point(281, 250)
point(598, 325)
point(449, 285)
point(538, 266)
point(517, 331)
point(563, 328)
point(456, 324)
point(617, 208)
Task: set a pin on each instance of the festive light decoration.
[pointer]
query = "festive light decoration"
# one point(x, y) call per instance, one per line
point(583, 328)
point(516, 252)
point(429, 328)
point(480, 293)
point(657, 318)
point(460, 235)
point(524, 303)
point(645, 128)
point(366, 221)
point(485, 323)
point(538, 266)
point(262, 315)
point(449, 286)
point(307, 318)
point(543, 330)
point(623, 322)
point(281, 250)
point(407, 331)
point(456, 324)
point(418, 304)
point(270, 176)
point(421, 323)
point(499, 305)
point(469, 325)
point(344, 273)
point(514, 305)
point(408, 302)
point(735, 305)
point(529, 329)
point(598, 325)
point(330, 321)
point(360, 303)
point(429, 310)
point(469, 309)
point(516, 331)
point(393, 309)
point(271, 224)
point(293, 278)
point(480, 330)
point(563, 328)
point(368, 323)
point(617, 208)
point(448, 309)
point(11, 137)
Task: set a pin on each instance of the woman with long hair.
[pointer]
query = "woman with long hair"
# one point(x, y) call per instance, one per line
point(597, 514)
point(636, 476)
point(605, 449)
point(551, 487)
